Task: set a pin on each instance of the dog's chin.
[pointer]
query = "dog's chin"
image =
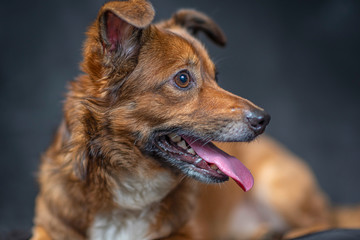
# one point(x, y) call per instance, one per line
point(173, 151)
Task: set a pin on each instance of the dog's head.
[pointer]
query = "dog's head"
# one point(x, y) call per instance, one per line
point(155, 87)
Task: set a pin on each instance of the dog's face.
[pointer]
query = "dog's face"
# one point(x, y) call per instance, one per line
point(160, 90)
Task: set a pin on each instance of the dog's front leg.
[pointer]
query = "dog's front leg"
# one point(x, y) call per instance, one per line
point(176, 217)
point(40, 234)
point(179, 237)
point(185, 233)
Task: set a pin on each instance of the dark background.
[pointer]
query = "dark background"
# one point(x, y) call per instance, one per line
point(297, 59)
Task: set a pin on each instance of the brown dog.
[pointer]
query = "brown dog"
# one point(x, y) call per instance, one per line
point(137, 131)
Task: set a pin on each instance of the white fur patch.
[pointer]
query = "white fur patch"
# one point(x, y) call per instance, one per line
point(137, 193)
point(121, 225)
point(138, 200)
point(128, 225)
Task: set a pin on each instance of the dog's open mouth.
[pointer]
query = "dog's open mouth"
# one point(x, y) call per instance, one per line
point(203, 160)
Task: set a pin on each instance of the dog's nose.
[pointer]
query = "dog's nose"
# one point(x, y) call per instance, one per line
point(258, 120)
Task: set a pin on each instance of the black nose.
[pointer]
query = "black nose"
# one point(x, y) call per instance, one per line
point(258, 120)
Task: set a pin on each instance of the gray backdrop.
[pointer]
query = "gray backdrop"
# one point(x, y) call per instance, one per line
point(297, 59)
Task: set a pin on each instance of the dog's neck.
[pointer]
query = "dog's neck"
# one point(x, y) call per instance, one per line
point(134, 193)
point(135, 188)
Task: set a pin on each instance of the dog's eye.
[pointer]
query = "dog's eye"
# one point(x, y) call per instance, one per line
point(182, 79)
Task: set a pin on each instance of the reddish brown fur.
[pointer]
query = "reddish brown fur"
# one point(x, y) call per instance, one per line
point(112, 110)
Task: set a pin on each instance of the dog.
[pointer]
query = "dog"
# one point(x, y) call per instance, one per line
point(141, 150)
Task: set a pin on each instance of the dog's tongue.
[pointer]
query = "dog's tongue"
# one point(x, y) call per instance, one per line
point(229, 165)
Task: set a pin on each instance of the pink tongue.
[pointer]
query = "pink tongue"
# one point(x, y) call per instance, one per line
point(229, 165)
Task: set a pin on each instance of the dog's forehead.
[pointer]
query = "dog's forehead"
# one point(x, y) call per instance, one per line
point(178, 46)
point(196, 44)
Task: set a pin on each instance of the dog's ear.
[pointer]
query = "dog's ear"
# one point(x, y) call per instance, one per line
point(114, 39)
point(119, 23)
point(195, 21)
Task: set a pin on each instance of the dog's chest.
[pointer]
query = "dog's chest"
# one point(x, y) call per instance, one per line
point(138, 201)
point(125, 225)
point(137, 193)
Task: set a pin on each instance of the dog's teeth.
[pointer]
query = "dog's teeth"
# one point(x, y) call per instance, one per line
point(191, 151)
point(219, 171)
point(198, 161)
point(182, 144)
point(174, 137)
point(214, 167)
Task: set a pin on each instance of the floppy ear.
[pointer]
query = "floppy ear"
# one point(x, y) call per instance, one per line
point(120, 22)
point(114, 39)
point(195, 21)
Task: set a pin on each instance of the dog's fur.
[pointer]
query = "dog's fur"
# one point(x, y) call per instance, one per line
point(104, 178)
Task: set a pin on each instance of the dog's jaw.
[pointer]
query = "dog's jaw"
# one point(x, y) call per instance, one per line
point(199, 158)
point(173, 149)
